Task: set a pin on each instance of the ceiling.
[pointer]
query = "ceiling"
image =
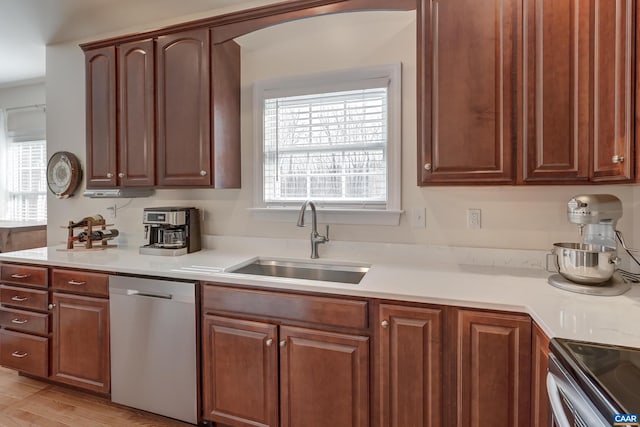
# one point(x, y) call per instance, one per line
point(26, 26)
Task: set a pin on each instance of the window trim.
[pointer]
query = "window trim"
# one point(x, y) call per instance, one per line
point(389, 215)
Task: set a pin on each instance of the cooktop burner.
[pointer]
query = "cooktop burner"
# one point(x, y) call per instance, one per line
point(609, 375)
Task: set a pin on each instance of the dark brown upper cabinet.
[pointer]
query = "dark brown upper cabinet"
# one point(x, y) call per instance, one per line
point(178, 118)
point(183, 93)
point(548, 81)
point(556, 120)
point(225, 104)
point(466, 91)
point(100, 69)
point(577, 69)
point(136, 143)
point(613, 41)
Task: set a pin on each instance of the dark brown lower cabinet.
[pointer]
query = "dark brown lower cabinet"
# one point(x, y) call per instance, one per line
point(491, 372)
point(540, 412)
point(80, 354)
point(240, 368)
point(324, 378)
point(410, 354)
point(433, 365)
point(24, 352)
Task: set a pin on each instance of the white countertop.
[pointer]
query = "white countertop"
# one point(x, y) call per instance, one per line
point(511, 280)
point(22, 224)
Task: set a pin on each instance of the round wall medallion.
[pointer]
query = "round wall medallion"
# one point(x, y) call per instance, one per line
point(63, 174)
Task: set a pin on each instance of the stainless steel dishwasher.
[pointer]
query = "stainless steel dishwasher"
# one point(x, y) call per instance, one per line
point(153, 346)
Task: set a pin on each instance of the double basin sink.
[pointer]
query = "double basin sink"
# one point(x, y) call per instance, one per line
point(297, 269)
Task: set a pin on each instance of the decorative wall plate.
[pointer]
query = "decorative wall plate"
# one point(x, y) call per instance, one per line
point(63, 174)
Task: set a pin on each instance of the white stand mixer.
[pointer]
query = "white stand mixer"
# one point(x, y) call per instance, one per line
point(590, 267)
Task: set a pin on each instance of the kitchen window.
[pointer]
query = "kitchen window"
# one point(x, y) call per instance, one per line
point(333, 138)
point(23, 155)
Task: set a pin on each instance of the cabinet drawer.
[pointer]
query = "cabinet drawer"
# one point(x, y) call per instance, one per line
point(23, 275)
point(24, 321)
point(24, 298)
point(80, 282)
point(26, 353)
point(303, 308)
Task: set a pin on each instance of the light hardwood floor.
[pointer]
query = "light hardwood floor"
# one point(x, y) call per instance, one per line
point(27, 402)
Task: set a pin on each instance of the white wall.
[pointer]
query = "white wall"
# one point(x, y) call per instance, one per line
point(512, 217)
point(22, 95)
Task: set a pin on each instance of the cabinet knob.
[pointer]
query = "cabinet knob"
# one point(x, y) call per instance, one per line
point(203, 173)
point(282, 343)
point(121, 175)
point(269, 342)
point(617, 159)
point(109, 175)
point(384, 323)
point(52, 306)
point(427, 166)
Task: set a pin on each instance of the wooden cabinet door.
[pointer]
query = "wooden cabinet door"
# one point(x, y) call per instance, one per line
point(539, 399)
point(183, 138)
point(225, 104)
point(324, 378)
point(80, 354)
point(613, 36)
point(240, 372)
point(492, 369)
point(410, 356)
point(555, 141)
point(136, 144)
point(466, 86)
point(100, 75)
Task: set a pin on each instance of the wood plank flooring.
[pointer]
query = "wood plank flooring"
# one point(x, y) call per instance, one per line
point(28, 402)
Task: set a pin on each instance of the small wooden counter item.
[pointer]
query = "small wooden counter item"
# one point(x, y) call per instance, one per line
point(94, 230)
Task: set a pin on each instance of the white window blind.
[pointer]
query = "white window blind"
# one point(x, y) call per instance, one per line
point(329, 147)
point(26, 180)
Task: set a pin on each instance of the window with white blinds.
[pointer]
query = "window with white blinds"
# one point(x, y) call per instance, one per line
point(26, 180)
point(23, 159)
point(328, 138)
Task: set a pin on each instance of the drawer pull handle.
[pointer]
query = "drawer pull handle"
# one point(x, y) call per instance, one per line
point(20, 276)
point(19, 298)
point(19, 322)
point(19, 355)
point(73, 282)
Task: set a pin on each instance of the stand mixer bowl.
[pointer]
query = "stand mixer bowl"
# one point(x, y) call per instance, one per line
point(586, 264)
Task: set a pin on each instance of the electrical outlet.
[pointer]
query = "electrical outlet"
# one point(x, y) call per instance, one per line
point(474, 218)
point(113, 211)
point(418, 218)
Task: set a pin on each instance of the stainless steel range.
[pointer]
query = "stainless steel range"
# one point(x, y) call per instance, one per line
point(593, 385)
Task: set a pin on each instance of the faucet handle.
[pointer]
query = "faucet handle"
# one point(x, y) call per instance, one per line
point(326, 237)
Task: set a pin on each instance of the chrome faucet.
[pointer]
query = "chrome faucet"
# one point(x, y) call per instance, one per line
point(316, 238)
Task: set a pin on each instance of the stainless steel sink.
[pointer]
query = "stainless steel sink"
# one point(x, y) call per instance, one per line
point(343, 273)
